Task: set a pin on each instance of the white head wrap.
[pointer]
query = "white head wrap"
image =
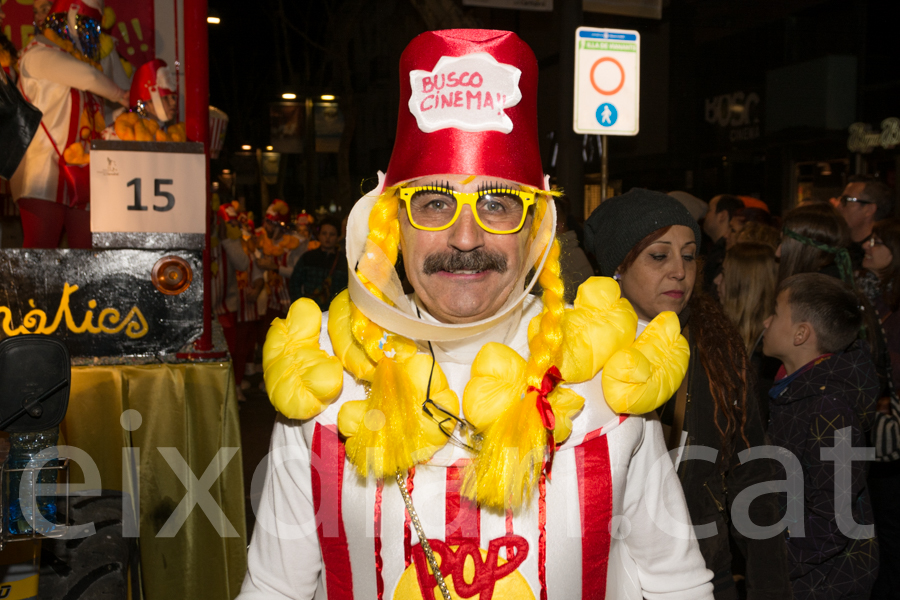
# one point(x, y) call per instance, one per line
point(399, 318)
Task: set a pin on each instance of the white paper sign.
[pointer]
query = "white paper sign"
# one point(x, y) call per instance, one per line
point(607, 81)
point(466, 92)
point(138, 191)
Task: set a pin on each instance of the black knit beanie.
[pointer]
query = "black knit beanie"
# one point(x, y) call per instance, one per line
point(621, 222)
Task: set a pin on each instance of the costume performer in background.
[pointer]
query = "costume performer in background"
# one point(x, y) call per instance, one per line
point(237, 283)
point(60, 76)
point(41, 9)
point(463, 440)
point(154, 106)
point(279, 251)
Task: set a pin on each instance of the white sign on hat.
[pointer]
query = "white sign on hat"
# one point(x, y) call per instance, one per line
point(607, 81)
point(467, 92)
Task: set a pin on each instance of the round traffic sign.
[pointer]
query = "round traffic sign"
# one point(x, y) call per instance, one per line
point(621, 78)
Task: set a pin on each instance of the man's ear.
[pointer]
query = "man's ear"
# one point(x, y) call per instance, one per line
point(723, 217)
point(803, 333)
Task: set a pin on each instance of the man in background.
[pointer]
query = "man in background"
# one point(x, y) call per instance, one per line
point(865, 200)
point(716, 225)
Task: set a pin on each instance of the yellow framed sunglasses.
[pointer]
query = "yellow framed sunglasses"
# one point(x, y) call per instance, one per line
point(497, 208)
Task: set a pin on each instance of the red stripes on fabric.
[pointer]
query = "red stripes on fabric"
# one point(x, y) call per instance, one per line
point(542, 535)
point(407, 522)
point(327, 474)
point(379, 561)
point(595, 501)
point(509, 522)
point(462, 517)
point(605, 429)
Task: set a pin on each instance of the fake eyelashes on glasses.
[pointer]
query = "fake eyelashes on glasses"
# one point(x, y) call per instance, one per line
point(484, 188)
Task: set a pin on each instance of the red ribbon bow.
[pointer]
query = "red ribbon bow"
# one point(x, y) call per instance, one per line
point(551, 379)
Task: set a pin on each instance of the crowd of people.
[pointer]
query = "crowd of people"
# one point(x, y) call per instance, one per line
point(792, 321)
point(259, 272)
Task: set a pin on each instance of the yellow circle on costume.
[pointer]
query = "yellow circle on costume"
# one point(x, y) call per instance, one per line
point(511, 587)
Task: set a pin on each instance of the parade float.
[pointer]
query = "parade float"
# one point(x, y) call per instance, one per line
point(152, 402)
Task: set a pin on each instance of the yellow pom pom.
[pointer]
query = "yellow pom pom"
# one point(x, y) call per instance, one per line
point(177, 133)
point(565, 404)
point(75, 155)
point(152, 125)
point(140, 133)
point(304, 383)
point(124, 126)
point(301, 379)
point(497, 380)
point(642, 377)
point(601, 324)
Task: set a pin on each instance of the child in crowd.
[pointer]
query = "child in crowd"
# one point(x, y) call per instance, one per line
point(824, 397)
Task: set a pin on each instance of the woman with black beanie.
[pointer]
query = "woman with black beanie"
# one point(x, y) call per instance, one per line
point(649, 242)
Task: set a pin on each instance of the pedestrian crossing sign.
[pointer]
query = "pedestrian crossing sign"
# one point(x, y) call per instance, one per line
point(607, 81)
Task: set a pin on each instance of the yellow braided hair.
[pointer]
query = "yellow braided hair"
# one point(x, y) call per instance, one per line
point(512, 453)
point(384, 231)
point(389, 435)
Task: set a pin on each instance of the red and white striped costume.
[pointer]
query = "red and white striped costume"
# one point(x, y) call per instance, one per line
point(233, 280)
point(61, 86)
point(610, 524)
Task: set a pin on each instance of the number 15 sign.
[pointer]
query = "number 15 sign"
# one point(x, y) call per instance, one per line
point(148, 187)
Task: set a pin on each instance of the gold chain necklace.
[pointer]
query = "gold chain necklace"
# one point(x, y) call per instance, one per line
point(426, 547)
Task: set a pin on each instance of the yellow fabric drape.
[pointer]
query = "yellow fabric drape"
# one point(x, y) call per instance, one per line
point(192, 408)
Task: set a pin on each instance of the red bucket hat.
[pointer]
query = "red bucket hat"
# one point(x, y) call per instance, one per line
point(468, 105)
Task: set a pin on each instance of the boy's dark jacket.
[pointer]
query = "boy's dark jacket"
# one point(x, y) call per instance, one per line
point(711, 487)
point(838, 392)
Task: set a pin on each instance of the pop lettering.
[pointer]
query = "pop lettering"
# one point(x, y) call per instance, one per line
point(487, 572)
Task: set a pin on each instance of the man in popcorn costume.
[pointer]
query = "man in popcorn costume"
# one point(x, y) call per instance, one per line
point(470, 439)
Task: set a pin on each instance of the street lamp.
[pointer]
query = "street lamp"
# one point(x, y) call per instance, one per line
point(289, 96)
point(327, 97)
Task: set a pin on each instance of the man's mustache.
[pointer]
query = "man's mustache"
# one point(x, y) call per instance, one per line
point(475, 260)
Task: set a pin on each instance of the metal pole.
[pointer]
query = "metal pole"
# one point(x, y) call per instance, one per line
point(604, 168)
point(196, 79)
point(569, 161)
